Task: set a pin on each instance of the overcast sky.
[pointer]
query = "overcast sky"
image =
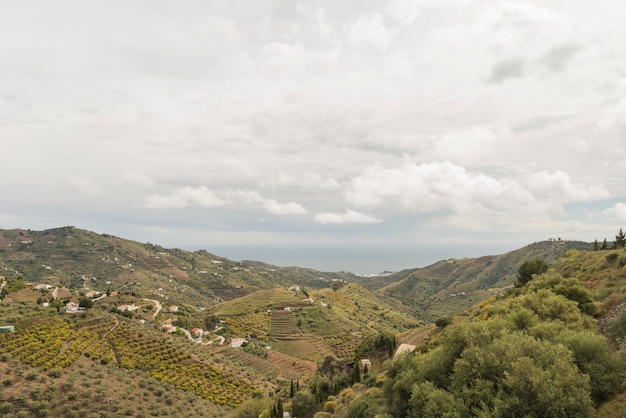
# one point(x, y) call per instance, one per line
point(265, 129)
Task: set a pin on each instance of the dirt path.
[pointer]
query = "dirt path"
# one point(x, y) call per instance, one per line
point(158, 307)
point(117, 324)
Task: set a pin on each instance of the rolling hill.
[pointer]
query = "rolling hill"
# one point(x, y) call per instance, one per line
point(293, 319)
point(451, 286)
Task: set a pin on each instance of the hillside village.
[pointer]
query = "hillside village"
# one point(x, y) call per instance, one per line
point(239, 336)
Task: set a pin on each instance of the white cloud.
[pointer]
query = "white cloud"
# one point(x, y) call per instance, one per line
point(369, 31)
point(203, 197)
point(289, 208)
point(616, 213)
point(82, 185)
point(185, 197)
point(286, 108)
point(444, 186)
point(311, 180)
point(348, 217)
point(406, 11)
point(559, 186)
point(139, 179)
point(473, 145)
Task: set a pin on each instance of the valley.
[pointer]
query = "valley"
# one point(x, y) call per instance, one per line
point(172, 327)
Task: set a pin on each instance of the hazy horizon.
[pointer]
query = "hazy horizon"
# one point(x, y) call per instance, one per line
point(474, 123)
point(363, 259)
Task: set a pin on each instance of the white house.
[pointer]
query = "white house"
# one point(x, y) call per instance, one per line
point(237, 342)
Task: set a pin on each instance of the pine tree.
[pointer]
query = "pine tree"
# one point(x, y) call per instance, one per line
point(292, 390)
point(604, 245)
point(596, 247)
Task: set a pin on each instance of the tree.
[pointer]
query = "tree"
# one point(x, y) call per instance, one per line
point(620, 239)
point(303, 405)
point(528, 269)
point(85, 303)
point(356, 374)
point(596, 246)
point(604, 245)
point(277, 409)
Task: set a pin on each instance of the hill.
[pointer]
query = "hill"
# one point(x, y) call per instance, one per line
point(451, 286)
point(294, 321)
point(77, 258)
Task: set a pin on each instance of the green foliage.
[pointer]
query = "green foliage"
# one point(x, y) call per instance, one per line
point(617, 329)
point(443, 321)
point(383, 341)
point(570, 287)
point(355, 377)
point(528, 269)
point(535, 355)
point(85, 302)
point(303, 405)
point(276, 411)
point(362, 407)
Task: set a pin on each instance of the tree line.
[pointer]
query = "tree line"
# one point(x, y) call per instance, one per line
point(619, 242)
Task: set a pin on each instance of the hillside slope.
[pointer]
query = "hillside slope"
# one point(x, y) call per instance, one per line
point(77, 258)
point(450, 286)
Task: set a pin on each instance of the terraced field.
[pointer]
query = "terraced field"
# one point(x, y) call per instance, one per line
point(287, 338)
point(52, 343)
point(283, 324)
point(448, 304)
point(276, 366)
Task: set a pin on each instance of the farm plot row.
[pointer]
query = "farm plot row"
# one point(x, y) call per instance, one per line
point(53, 343)
point(256, 323)
point(167, 363)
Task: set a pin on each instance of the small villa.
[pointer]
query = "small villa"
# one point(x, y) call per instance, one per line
point(173, 308)
point(123, 308)
point(92, 294)
point(42, 286)
point(197, 332)
point(168, 328)
point(237, 342)
point(71, 307)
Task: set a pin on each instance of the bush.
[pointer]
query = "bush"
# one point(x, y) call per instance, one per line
point(5, 407)
point(443, 322)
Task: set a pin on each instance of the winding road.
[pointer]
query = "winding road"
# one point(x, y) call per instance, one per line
point(158, 307)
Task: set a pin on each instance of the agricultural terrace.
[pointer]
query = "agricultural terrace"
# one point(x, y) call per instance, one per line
point(53, 343)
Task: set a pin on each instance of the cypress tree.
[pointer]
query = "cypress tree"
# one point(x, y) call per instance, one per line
point(356, 374)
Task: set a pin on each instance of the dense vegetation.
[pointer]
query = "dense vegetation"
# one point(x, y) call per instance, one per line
point(540, 331)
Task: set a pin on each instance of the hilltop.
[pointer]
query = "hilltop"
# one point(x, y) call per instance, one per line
point(81, 259)
point(451, 286)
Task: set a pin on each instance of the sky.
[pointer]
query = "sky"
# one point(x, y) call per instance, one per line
point(356, 135)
